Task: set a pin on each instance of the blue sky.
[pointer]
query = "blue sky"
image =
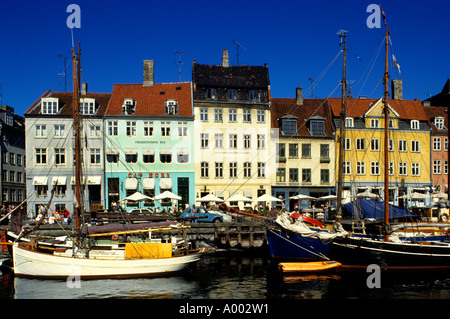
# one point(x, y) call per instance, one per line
point(297, 39)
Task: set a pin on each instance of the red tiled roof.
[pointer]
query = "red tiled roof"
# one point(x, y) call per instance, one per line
point(408, 110)
point(150, 100)
point(65, 102)
point(310, 108)
point(437, 111)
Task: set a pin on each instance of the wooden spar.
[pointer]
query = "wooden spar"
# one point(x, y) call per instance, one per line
point(137, 231)
point(225, 208)
point(342, 117)
point(386, 138)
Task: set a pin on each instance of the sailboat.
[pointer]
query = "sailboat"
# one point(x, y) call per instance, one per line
point(390, 253)
point(89, 257)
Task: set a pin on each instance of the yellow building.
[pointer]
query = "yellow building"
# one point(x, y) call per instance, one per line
point(409, 149)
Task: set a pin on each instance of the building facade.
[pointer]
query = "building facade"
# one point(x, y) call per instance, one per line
point(409, 149)
point(12, 143)
point(149, 142)
point(232, 130)
point(305, 149)
point(50, 151)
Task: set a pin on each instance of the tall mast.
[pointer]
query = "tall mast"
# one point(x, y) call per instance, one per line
point(76, 127)
point(342, 118)
point(386, 135)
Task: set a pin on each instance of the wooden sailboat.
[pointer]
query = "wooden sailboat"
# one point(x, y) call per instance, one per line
point(86, 258)
point(387, 253)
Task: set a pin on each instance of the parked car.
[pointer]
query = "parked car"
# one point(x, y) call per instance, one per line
point(140, 211)
point(204, 216)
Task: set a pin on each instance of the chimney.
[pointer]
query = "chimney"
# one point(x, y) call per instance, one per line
point(397, 89)
point(148, 73)
point(299, 95)
point(225, 60)
point(84, 88)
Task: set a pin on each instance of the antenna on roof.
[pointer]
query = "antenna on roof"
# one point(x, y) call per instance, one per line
point(238, 45)
point(312, 86)
point(179, 61)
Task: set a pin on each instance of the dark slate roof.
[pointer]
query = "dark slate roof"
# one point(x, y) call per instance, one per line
point(237, 76)
point(443, 98)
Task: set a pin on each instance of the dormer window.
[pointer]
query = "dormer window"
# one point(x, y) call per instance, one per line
point(211, 94)
point(128, 106)
point(289, 125)
point(415, 124)
point(253, 95)
point(49, 105)
point(232, 94)
point(317, 126)
point(171, 107)
point(349, 122)
point(87, 106)
point(439, 122)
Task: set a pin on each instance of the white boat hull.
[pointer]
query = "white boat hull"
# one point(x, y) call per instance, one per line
point(28, 263)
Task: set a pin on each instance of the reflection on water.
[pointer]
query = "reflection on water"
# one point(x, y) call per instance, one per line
point(234, 277)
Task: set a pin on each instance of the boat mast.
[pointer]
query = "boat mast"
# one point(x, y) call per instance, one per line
point(386, 134)
point(342, 118)
point(76, 127)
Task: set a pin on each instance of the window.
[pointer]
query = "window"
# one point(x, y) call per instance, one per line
point(232, 115)
point(261, 170)
point(61, 190)
point(247, 116)
point(324, 152)
point(317, 127)
point(165, 128)
point(391, 145)
point(204, 169)
point(281, 147)
point(131, 158)
point(211, 94)
point(12, 176)
point(439, 123)
point(374, 123)
point(247, 169)
point(347, 144)
point(41, 190)
point(281, 175)
point(261, 116)
point(165, 156)
point(148, 128)
point(204, 115)
point(19, 159)
point(247, 141)
point(253, 95)
point(218, 140)
point(112, 158)
point(261, 141)
point(415, 169)
point(374, 144)
point(415, 146)
point(233, 170)
point(95, 131)
point(148, 157)
point(324, 176)
point(113, 128)
point(182, 128)
point(306, 175)
point(360, 144)
point(219, 170)
point(41, 130)
point(128, 107)
point(349, 122)
point(375, 168)
point(415, 124)
point(60, 130)
point(446, 167)
point(360, 168)
point(391, 169)
point(87, 106)
point(436, 143)
point(232, 94)
point(131, 128)
point(12, 158)
point(5, 157)
point(402, 168)
point(204, 140)
point(437, 167)
point(218, 115)
point(171, 108)
point(289, 127)
point(293, 150)
point(402, 145)
point(306, 150)
point(293, 175)
point(347, 166)
point(49, 106)
point(95, 155)
point(446, 144)
point(233, 140)
point(60, 156)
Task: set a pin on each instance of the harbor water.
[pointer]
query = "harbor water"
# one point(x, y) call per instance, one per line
point(234, 276)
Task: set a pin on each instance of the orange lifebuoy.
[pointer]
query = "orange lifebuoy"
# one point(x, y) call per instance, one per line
point(115, 237)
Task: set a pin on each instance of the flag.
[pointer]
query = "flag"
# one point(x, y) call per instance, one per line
point(395, 63)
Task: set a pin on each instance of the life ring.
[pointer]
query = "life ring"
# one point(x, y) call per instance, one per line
point(444, 218)
point(115, 237)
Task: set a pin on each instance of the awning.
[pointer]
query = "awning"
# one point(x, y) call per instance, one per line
point(148, 151)
point(131, 183)
point(148, 183)
point(59, 180)
point(248, 193)
point(93, 180)
point(40, 180)
point(130, 151)
point(220, 194)
point(183, 151)
point(165, 183)
point(112, 151)
point(165, 151)
point(72, 180)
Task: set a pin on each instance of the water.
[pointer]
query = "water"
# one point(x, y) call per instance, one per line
point(234, 277)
